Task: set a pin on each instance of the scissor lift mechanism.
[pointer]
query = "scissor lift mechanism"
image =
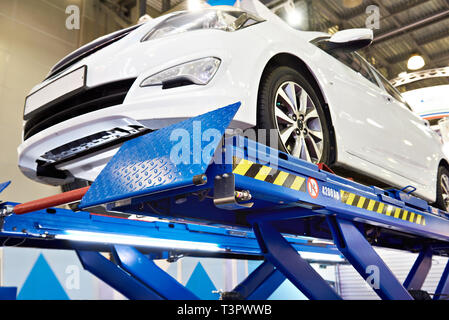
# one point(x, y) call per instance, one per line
point(230, 198)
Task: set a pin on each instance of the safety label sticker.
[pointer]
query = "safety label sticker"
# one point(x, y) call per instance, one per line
point(260, 172)
point(379, 207)
point(312, 188)
point(329, 192)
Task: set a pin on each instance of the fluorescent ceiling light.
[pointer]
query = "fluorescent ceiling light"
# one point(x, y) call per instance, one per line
point(416, 62)
point(316, 256)
point(194, 5)
point(96, 237)
point(352, 3)
point(294, 17)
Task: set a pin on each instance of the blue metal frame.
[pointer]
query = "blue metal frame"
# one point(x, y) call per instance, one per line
point(351, 242)
point(417, 275)
point(261, 283)
point(287, 260)
point(8, 293)
point(117, 278)
point(42, 228)
point(146, 271)
point(142, 179)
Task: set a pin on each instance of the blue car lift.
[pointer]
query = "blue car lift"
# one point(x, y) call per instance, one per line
point(184, 190)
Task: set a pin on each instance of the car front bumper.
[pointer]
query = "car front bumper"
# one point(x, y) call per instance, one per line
point(236, 80)
point(153, 114)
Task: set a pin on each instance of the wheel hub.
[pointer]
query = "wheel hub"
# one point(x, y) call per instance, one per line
point(445, 190)
point(298, 122)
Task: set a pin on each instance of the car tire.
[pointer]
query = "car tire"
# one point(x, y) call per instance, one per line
point(307, 128)
point(77, 184)
point(443, 189)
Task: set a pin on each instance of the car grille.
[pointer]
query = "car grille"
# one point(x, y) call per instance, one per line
point(93, 143)
point(89, 100)
point(89, 49)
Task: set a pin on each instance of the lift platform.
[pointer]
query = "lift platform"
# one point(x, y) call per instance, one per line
point(189, 189)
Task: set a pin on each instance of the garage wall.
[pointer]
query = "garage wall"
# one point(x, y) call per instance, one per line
point(33, 38)
point(352, 286)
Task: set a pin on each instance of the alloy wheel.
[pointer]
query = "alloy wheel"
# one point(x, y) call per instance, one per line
point(298, 123)
point(445, 190)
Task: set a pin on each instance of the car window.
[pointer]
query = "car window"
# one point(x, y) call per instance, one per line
point(366, 69)
point(350, 59)
point(392, 91)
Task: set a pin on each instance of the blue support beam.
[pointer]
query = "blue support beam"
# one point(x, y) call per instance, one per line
point(146, 271)
point(118, 279)
point(420, 270)
point(261, 283)
point(8, 293)
point(287, 260)
point(357, 250)
point(442, 291)
point(294, 197)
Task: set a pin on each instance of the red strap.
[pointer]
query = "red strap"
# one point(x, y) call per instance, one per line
point(324, 167)
point(52, 201)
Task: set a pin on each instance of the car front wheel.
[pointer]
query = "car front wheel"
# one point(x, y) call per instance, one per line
point(289, 104)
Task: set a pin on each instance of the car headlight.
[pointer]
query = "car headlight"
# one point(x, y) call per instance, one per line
point(225, 20)
point(199, 72)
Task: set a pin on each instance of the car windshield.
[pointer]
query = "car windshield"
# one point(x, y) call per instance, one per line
point(225, 20)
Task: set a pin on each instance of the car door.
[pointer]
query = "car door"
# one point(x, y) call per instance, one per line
point(382, 133)
point(419, 146)
point(368, 129)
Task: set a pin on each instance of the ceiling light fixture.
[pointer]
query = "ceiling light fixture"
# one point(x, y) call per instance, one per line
point(194, 5)
point(294, 16)
point(415, 62)
point(352, 3)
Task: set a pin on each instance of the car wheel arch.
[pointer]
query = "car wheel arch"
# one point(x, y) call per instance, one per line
point(292, 61)
point(443, 163)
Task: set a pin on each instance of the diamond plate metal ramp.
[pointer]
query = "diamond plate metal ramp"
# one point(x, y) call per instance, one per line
point(144, 165)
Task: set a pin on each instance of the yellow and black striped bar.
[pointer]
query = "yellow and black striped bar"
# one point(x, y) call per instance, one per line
point(379, 207)
point(260, 172)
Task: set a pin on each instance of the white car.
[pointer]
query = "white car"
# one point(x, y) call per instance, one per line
point(327, 103)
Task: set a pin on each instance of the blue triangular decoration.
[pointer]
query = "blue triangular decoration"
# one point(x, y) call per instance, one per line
point(42, 284)
point(201, 285)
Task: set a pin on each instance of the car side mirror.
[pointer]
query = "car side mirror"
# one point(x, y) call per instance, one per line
point(351, 39)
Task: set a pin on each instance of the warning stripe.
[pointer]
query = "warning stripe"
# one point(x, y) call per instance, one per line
point(379, 207)
point(260, 172)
